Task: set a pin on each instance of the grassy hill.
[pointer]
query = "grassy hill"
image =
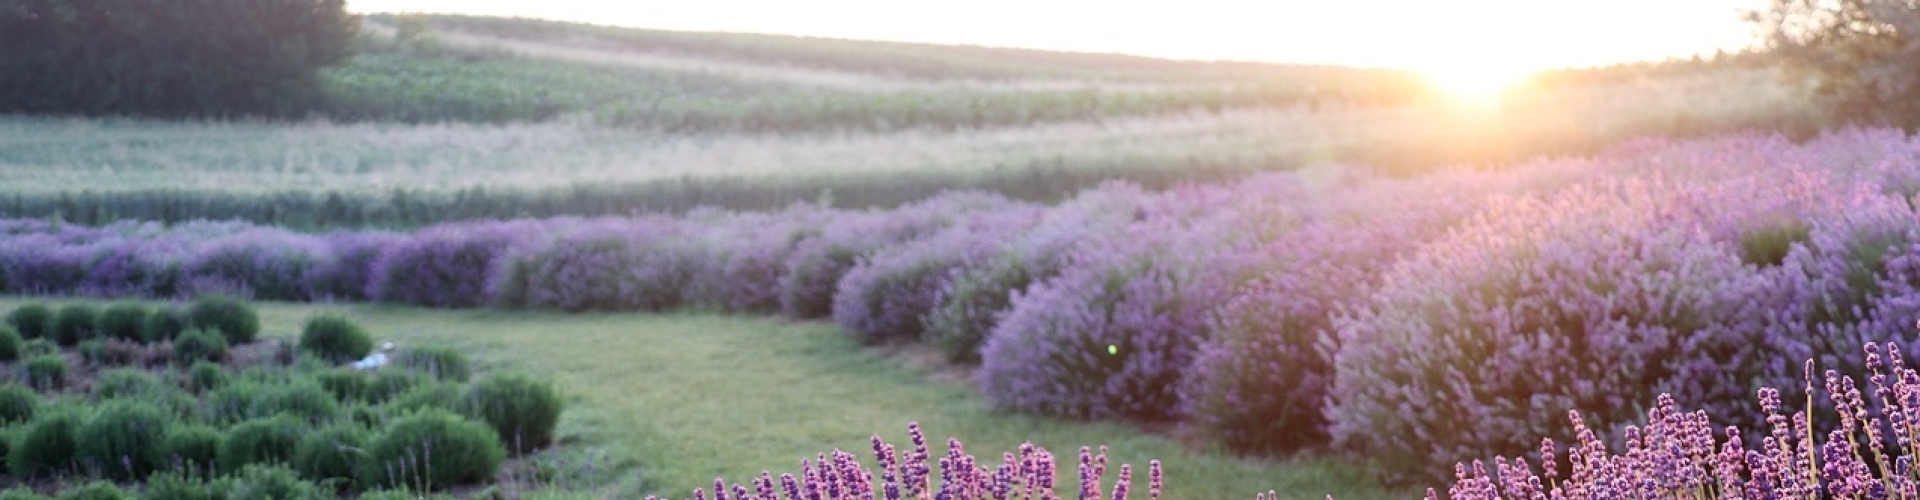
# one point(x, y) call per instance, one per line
point(447, 117)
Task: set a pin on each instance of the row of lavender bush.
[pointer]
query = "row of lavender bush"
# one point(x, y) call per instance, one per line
point(1416, 320)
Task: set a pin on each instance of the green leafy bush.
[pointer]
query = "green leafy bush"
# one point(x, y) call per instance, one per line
point(92, 351)
point(260, 441)
point(332, 455)
point(33, 320)
point(22, 493)
point(127, 383)
point(37, 347)
point(47, 371)
point(446, 396)
point(124, 321)
point(521, 409)
point(74, 323)
point(10, 344)
point(17, 405)
point(273, 482)
point(194, 448)
point(197, 344)
point(164, 324)
point(443, 363)
point(205, 376)
point(300, 397)
point(238, 401)
point(122, 440)
point(335, 339)
point(233, 318)
point(96, 490)
point(388, 384)
point(173, 485)
point(433, 450)
point(45, 448)
point(344, 385)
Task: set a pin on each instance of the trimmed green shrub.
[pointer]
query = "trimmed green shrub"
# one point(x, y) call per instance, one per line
point(194, 448)
point(127, 382)
point(368, 416)
point(205, 376)
point(443, 363)
point(432, 450)
point(22, 493)
point(17, 405)
point(260, 441)
point(74, 323)
point(47, 372)
point(6, 444)
point(122, 440)
point(431, 395)
point(301, 397)
point(344, 385)
point(171, 485)
point(36, 347)
point(164, 324)
point(92, 351)
point(197, 344)
point(273, 482)
point(45, 448)
point(96, 490)
point(251, 398)
point(521, 409)
point(124, 321)
point(335, 339)
point(332, 455)
point(10, 344)
point(33, 320)
point(238, 401)
point(232, 317)
point(388, 384)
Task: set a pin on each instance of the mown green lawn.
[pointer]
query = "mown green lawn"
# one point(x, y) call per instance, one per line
point(677, 400)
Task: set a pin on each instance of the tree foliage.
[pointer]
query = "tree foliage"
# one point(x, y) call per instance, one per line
point(1863, 56)
point(169, 58)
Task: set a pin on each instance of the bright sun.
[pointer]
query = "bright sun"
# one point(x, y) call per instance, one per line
point(1476, 83)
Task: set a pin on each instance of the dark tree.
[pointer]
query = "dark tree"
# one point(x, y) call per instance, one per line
point(1862, 56)
point(169, 58)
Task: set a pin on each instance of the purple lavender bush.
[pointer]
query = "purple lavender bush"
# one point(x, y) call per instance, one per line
point(814, 269)
point(263, 263)
point(41, 264)
point(910, 473)
point(1867, 453)
point(1259, 381)
point(347, 274)
point(1112, 334)
point(610, 264)
point(1623, 285)
point(1854, 278)
point(981, 291)
point(748, 277)
point(887, 297)
point(448, 265)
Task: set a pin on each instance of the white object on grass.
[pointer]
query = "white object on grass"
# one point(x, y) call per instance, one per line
point(375, 360)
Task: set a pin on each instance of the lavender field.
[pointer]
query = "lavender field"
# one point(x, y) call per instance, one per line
point(1416, 322)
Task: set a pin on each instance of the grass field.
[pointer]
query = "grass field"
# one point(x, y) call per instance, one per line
point(673, 401)
point(532, 109)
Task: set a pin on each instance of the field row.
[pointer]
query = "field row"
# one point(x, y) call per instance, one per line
point(322, 175)
point(1672, 266)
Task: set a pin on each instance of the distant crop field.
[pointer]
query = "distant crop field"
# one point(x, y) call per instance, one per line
point(129, 167)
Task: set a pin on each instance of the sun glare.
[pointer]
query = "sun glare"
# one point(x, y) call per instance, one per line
point(1479, 85)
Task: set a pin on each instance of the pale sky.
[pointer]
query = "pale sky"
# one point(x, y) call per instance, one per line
point(1481, 36)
